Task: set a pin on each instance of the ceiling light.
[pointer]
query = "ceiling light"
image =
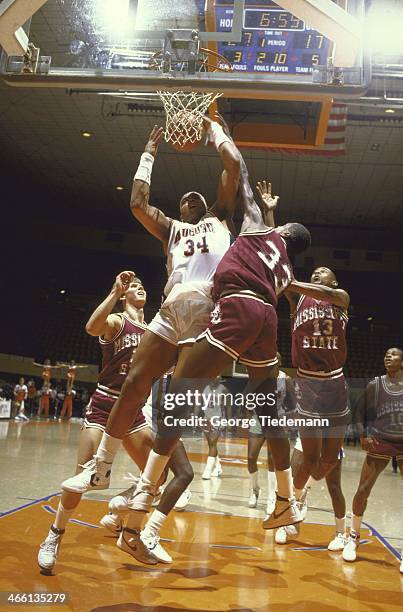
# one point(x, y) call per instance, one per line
point(389, 110)
point(119, 188)
point(62, 291)
point(370, 318)
point(85, 133)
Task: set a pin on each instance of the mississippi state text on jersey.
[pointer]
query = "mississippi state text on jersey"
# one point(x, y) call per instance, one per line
point(257, 262)
point(388, 410)
point(117, 353)
point(194, 251)
point(319, 338)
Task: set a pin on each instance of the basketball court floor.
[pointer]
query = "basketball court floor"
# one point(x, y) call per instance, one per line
point(223, 559)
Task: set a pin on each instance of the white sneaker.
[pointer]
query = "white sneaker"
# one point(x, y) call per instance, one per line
point(183, 500)
point(271, 502)
point(254, 496)
point(303, 508)
point(286, 512)
point(283, 533)
point(142, 497)
point(95, 475)
point(112, 522)
point(129, 541)
point(152, 542)
point(338, 543)
point(49, 549)
point(120, 503)
point(350, 549)
point(217, 469)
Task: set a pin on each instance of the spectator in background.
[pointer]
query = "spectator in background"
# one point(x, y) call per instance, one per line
point(32, 393)
point(20, 395)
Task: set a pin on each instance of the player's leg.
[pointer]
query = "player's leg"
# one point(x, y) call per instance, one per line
point(400, 465)
point(331, 445)
point(199, 361)
point(271, 483)
point(333, 482)
point(152, 359)
point(372, 467)
point(312, 448)
point(263, 380)
point(255, 443)
point(49, 549)
point(175, 489)
point(213, 466)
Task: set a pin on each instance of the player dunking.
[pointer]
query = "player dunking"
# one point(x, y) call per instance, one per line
point(379, 418)
point(250, 276)
point(194, 247)
point(319, 351)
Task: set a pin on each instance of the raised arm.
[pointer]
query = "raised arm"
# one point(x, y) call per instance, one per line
point(269, 202)
point(229, 180)
point(102, 322)
point(153, 219)
point(338, 297)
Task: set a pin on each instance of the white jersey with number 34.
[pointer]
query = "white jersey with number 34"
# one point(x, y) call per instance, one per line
point(194, 251)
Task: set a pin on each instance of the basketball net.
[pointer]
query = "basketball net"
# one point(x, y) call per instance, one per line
point(184, 114)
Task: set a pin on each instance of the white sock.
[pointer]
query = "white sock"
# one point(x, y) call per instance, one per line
point(284, 483)
point(254, 480)
point(154, 467)
point(271, 483)
point(108, 448)
point(309, 482)
point(210, 462)
point(155, 523)
point(298, 493)
point(62, 516)
point(217, 461)
point(356, 523)
point(135, 520)
point(340, 524)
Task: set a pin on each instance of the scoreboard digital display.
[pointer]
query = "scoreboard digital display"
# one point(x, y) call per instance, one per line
point(273, 40)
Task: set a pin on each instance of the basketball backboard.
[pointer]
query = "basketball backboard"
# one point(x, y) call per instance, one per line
point(303, 47)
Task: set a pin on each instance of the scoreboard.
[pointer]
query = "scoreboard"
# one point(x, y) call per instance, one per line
point(273, 40)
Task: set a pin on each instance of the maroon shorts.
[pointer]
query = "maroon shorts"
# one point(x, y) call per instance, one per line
point(98, 410)
point(326, 398)
point(385, 449)
point(245, 327)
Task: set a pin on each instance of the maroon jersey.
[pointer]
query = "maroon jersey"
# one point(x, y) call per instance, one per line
point(257, 262)
point(117, 353)
point(388, 423)
point(319, 347)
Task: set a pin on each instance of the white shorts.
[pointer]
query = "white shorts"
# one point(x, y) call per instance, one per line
point(185, 313)
point(298, 447)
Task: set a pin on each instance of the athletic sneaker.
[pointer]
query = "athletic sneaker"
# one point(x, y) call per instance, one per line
point(286, 512)
point(217, 469)
point(112, 522)
point(350, 549)
point(183, 500)
point(130, 542)
point(303, 507)
point(158, 496)
point(95, 475)
point(120, 503)
point(283, 533)
point(152, 542)
point(49, 549)
point(338, 543)
point(142, 497)
point(254, 496)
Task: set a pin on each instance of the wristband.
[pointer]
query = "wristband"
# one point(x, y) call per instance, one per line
point(145, 168)
point(217, 135)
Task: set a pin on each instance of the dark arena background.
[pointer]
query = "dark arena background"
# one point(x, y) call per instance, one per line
point(69, 149)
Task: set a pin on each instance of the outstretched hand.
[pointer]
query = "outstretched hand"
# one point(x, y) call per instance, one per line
point(154, 140)
point(264, 190)
point(122, 282)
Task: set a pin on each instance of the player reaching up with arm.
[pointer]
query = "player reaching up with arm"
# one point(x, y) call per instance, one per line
point(194, 246)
